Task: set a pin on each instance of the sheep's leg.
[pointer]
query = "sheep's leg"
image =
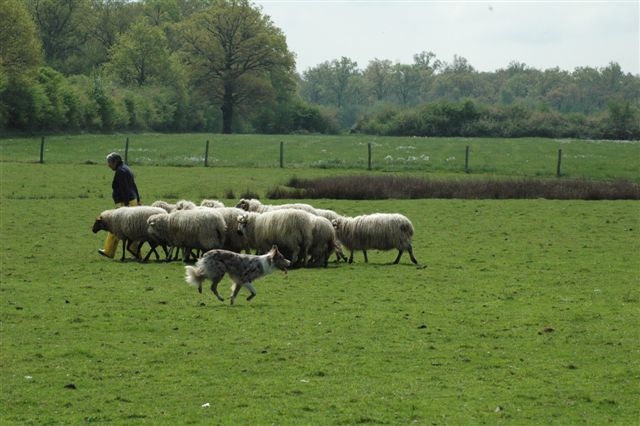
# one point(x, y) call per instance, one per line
point(135, 253)
point(146, 258)
point(351, 257)
point(413, 258)
point(186, 254)
point(294, 256)
point(153, 246)
point(153, 250)
point(398, 257)
point(250, 287)
point(124, 246)
point(366, 259)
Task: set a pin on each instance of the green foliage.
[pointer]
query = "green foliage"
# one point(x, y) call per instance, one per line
point(295, 117)
point(65, 28)
point(21, 47)
point(468, 119)
point(141, 56)
point(202, 65)
point(231, 50)
point(526, 313)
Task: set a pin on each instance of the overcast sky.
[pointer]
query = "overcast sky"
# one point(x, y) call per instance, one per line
point(489, 34)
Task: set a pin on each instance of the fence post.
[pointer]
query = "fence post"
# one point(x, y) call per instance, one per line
point(42, 150)
point(466, 160)
point(126, 151)
point(559, 163)
point(206, 153)
point(281, 154)
point(369, 156)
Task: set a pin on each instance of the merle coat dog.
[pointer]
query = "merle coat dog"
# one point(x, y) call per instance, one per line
point(242, 268)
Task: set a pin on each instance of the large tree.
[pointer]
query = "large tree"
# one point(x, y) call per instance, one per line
point(20, 55)
point(64, 28)
point(20, 47)
point(235, 53)
point(140, 56)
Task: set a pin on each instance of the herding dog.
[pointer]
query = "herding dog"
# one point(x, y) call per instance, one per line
point(242, 268)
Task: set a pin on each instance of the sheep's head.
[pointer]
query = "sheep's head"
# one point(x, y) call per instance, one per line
point(243, 204)
point(99, 225)
point(185, 205)
point(242, 223)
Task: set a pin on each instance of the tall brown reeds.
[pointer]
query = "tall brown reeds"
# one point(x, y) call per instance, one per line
point(403, 187)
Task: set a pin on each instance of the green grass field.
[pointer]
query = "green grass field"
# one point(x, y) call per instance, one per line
point(528, 313)
point(532, 157)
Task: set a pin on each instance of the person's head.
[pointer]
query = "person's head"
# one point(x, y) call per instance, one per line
point(114, 160)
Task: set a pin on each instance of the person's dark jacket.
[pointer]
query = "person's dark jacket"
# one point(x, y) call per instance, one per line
point(124, 186)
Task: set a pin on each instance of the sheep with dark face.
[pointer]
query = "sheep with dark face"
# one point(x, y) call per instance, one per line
point(289, 229)
point(129, 224)
point(378, 231)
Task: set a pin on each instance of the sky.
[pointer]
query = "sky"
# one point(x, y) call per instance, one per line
point(488, 34)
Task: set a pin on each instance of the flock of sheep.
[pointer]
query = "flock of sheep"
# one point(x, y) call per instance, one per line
point(307, 236)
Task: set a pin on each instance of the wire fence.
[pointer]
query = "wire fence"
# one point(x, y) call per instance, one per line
point(537, 158)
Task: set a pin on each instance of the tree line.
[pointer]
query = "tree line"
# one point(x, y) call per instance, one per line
point(223, 66)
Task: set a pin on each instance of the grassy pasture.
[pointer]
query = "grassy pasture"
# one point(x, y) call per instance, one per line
point(532, 157)
point(527, 313)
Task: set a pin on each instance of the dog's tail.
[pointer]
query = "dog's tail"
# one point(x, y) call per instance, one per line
point(194, 276)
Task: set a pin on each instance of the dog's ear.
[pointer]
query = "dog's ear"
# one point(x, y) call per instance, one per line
point(274, 248)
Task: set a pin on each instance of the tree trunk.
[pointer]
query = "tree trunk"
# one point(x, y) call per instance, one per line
point(227, 112)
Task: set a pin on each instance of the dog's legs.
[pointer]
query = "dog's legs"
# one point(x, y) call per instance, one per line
point(235, 289)
point(215, 280)
point(250, 287)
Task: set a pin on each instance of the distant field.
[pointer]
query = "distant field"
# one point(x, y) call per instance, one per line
point(527, 313)
point(533, 157)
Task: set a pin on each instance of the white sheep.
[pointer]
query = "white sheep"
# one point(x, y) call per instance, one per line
point(289, 229)
point(129, 224)
point(211, 203)
point(255, 205)
point(168, 207)
point(323, 242)
point(198, 229)
point(378, 231)
point(234, 241)
point(185, 205)
point(327, 213)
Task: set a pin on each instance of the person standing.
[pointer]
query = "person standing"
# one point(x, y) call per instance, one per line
point(125, 193)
